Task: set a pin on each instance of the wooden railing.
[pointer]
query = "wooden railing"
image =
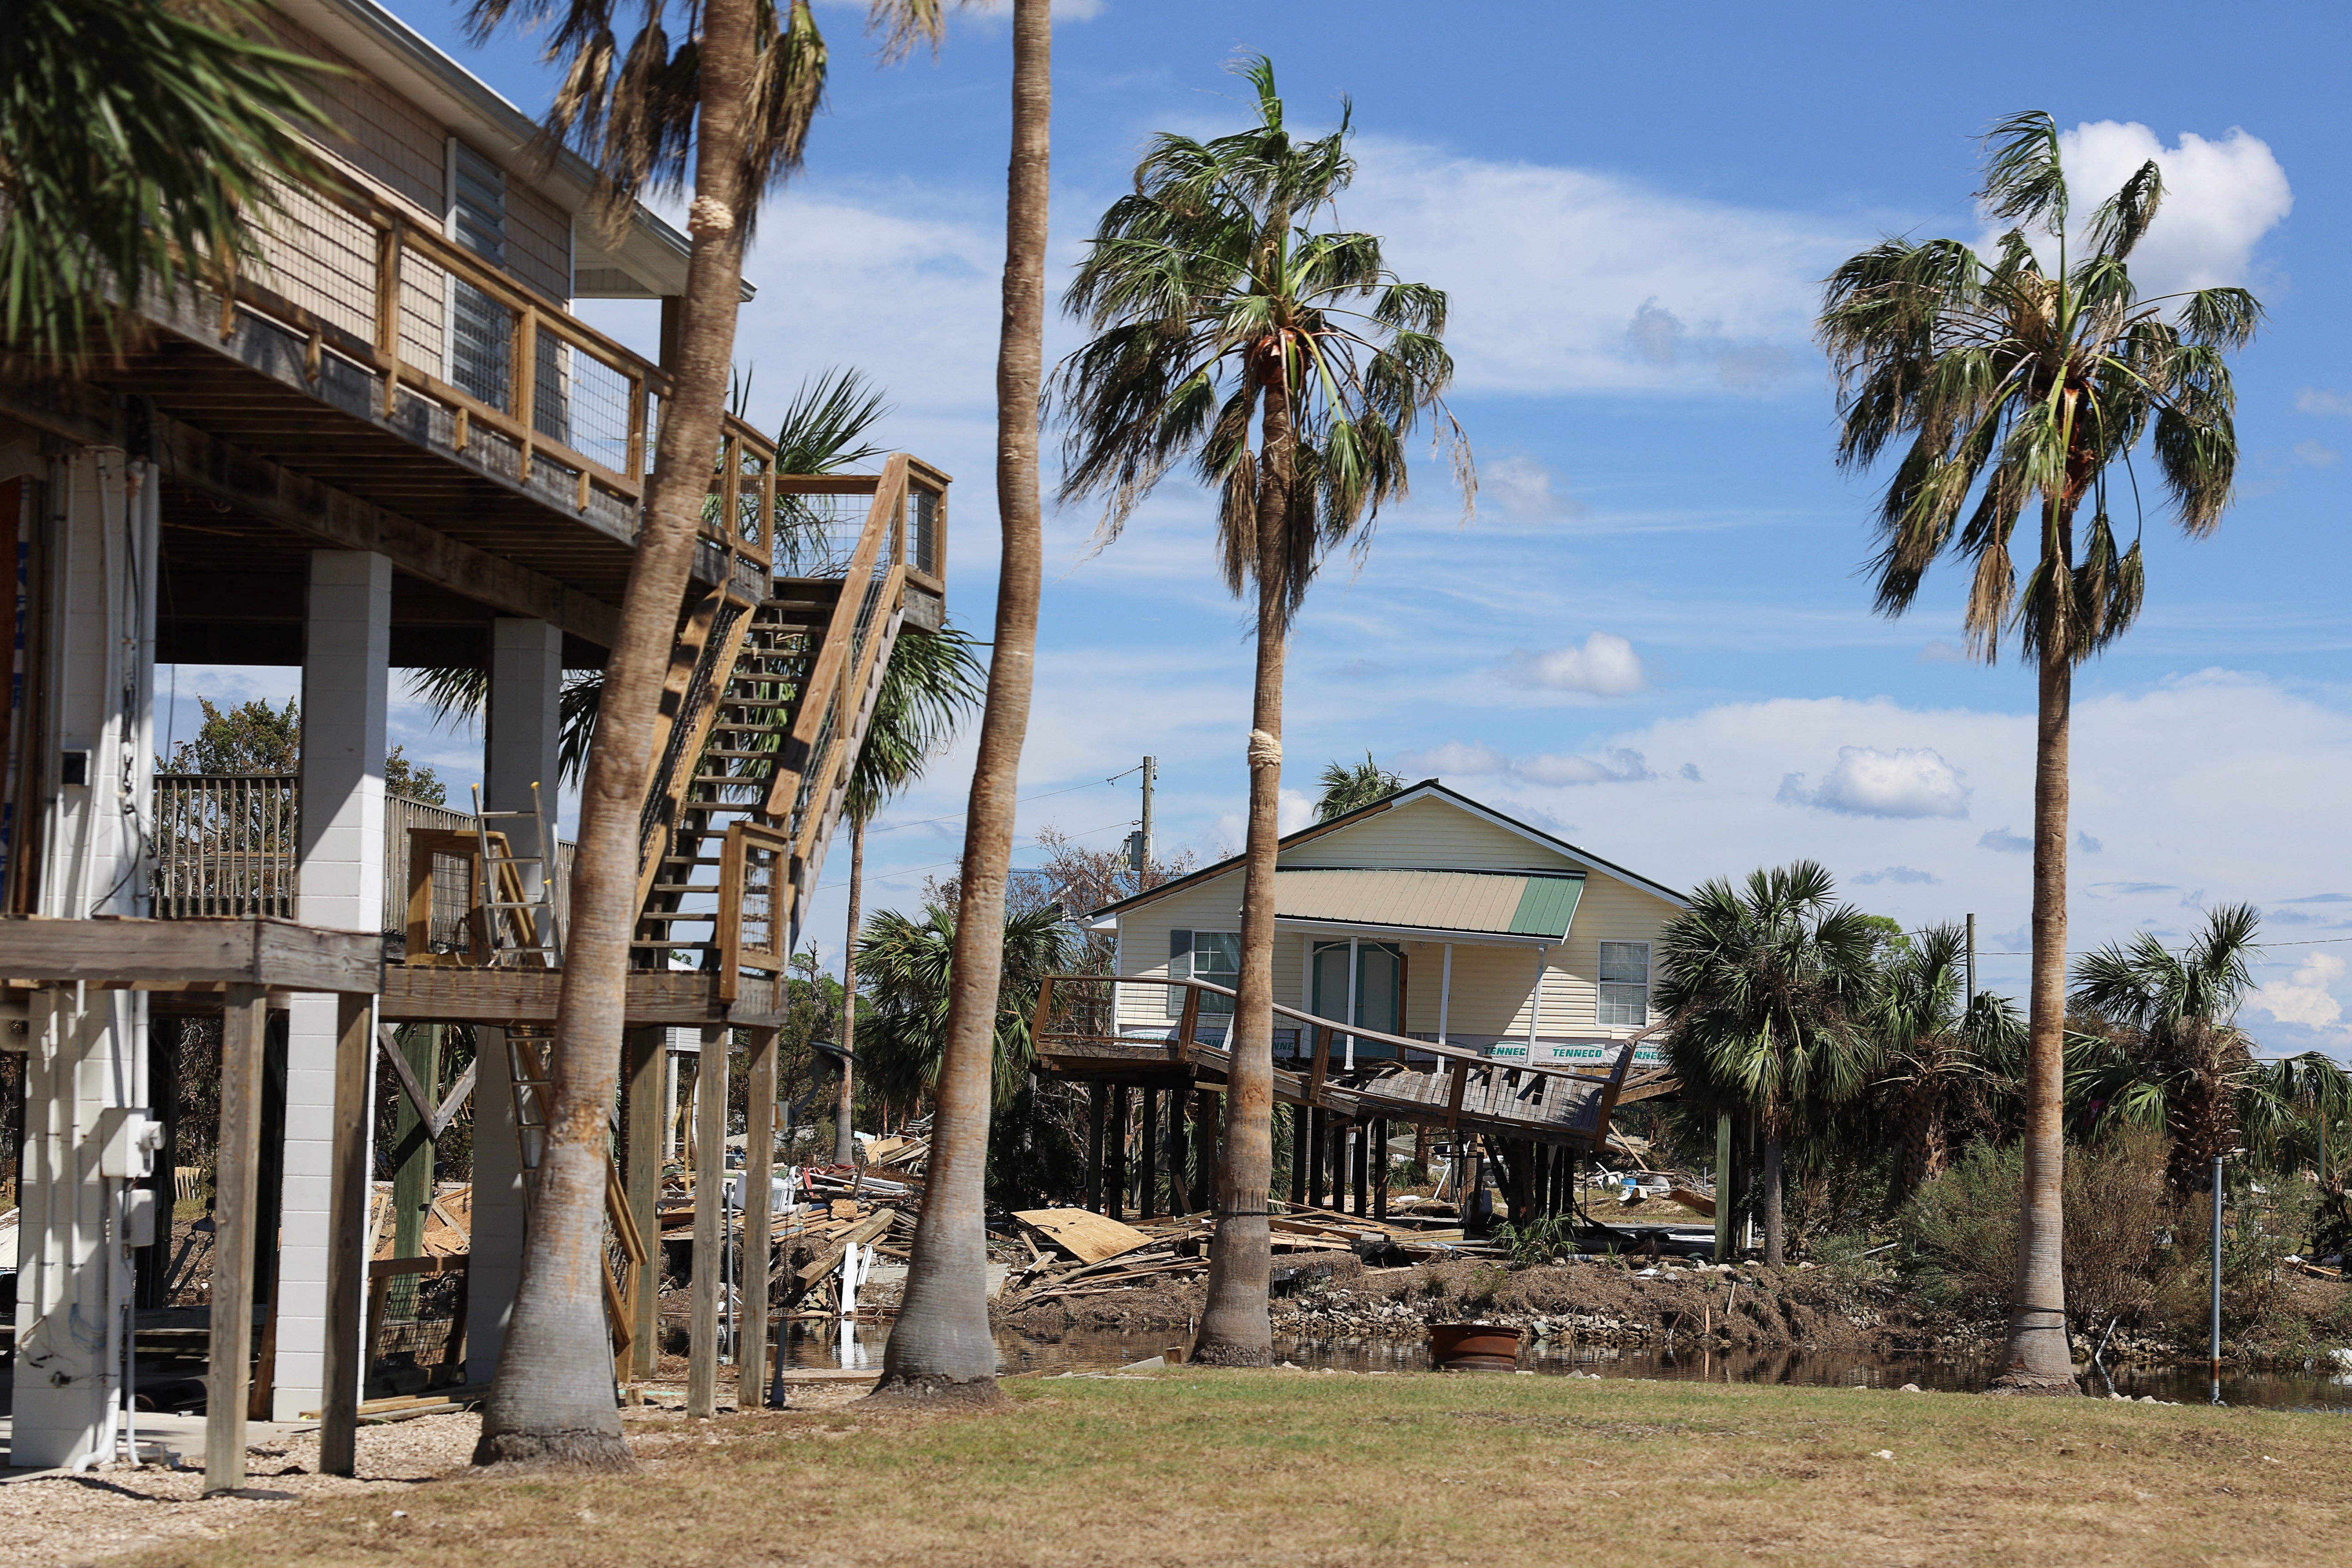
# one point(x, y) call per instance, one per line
point(229, 844)
point(526, 388)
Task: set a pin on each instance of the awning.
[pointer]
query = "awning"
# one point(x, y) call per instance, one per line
point(1476, 903)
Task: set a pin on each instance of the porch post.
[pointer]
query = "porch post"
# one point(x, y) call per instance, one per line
point(1147, 1203)
point(1354, 944)
point(1313, 1157)
point(346, 702)
point(1115, 1134)
point(1444, 993)
point(1096, 1096)
point(1300, 1147)
point(1534, 1004)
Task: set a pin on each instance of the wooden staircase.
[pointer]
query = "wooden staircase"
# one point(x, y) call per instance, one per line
point(767, 704)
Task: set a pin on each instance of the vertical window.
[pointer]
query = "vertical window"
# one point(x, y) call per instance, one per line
point(481, 337)
point(1624, 1000)
point(1217, 958)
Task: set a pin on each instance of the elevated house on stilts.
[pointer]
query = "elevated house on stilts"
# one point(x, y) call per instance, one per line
point(1438, 967)
point(393, 444)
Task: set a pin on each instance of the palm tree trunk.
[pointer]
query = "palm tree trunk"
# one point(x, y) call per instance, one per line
point(1776, 1234)
point(1236, 1330)
point(552, 1401)
point(2036, 1358)
point(845, 1144)
point(940, 1345)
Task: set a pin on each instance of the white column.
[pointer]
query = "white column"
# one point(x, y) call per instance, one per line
point(346, 702)
point(1535, 1002)
point(1354, 946)
point(496, 1264)
point(1444, 993)
point(85, 1049)
point(523, 725)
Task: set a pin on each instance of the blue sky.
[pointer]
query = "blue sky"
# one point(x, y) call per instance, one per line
point(1650, 638)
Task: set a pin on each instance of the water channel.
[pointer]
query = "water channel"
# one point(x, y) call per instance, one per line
point(818, 1345)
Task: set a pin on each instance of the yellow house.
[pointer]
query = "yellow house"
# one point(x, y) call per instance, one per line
point(1427, 915)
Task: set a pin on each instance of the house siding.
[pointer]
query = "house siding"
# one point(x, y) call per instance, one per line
point(1493, 983)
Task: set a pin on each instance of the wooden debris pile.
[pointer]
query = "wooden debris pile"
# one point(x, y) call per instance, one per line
point(1075, 1253)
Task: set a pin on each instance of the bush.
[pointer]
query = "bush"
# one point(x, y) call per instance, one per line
point(1962, 1229)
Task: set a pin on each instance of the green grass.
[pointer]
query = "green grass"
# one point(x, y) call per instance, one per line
point(1199, 1467)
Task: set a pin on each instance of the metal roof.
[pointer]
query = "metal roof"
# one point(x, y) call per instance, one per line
point(1488, 903)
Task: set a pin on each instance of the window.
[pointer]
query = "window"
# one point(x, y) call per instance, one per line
point(1624, 998)
point(1214, 956)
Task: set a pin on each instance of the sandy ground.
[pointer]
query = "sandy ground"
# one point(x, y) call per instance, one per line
point(68, 1521)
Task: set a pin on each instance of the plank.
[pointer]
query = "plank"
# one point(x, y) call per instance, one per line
point(124, 951)
point(1089, 1236)
point(235, 1208)
point(346, 1211)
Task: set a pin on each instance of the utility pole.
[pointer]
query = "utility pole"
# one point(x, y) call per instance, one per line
point(1139, 843)
point(1971, 999)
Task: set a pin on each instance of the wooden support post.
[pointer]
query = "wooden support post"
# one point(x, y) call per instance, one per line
point(759, 1244)
point(347, 1213)
point(710, 1216)
point(1420, 1146)
point(242, 1023)
point(1115, 1182)
point(1147, 1119)
point(1204, 1138)
point(1097, 1095)
point(1322, 1065)
point(1379, 1154)
point(1302, 1155)
point(1317, 1136)
point(1180, 1179)
point(1724, 1239)
point(412, 1156)
point(1359, 1155)
point(645, 1061)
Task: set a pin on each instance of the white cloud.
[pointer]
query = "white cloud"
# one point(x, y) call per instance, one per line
point(2304, 997)
point(2220, 198)
point(2003, 841)
point(1641, 289)
point(1898, 874)
point(1623, 766)
point(1522, 487)
point(2318, 400)
point(1867, 782)
point(1606, 666)
point(2317, 454)
point(1459, 758)
point(2086, 843)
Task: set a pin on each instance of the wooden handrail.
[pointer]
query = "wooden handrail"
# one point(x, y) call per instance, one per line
point(1329, 1027)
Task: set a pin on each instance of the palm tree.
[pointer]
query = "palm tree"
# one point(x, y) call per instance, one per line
point(138, 142)
point(1351, 786)
point(931, 681)
point(2170, 1054)
point(1215, 306)
point(1945, 1054)
point(1768, 993)
point(2020, 386)
point(735, 95)
point(940, 1345)
point(909, 965)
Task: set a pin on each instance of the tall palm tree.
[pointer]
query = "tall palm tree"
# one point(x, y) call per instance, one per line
point(138, 140)
point(931, 681)
point(2019, 385)
point(940, 1345)
point(909, 963)
point(1942, 1051)
point(1768, 992)
point(1214, 306)
point(729, 104)
point(1350, 786)
point(2170, 1054)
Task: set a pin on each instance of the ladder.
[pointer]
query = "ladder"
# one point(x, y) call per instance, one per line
point(513, 907)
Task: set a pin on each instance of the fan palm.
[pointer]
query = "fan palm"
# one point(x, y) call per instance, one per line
point(909, 967)
point(1351, 786)
point(2020, 386)
point(1768, 992)
point(1216, 307)
point(2171, 1054)
point(139, 141)
point(1942, 1051)
point(726, 106)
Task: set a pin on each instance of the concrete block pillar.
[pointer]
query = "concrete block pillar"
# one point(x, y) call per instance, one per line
point(346, 702)
point(496, 1265)
point(86, 1048)
point(520, 730)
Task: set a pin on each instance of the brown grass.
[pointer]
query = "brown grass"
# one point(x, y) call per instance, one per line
point(1201, 1467)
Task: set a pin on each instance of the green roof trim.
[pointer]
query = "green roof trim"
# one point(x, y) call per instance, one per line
point(1546, 905)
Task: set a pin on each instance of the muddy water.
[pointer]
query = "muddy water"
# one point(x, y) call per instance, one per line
point(1093, 1352)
